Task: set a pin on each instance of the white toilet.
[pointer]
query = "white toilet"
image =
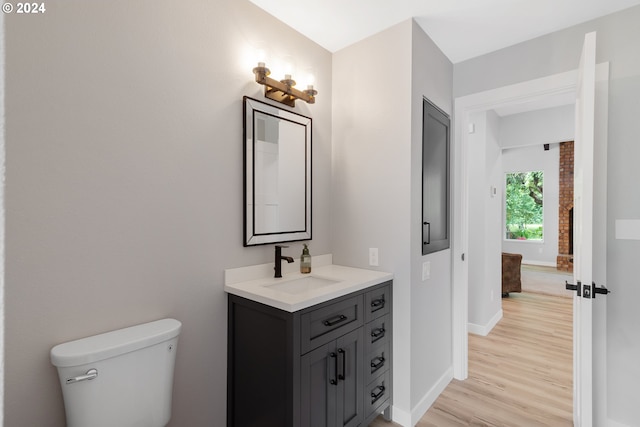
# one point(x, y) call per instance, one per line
point(121, 378)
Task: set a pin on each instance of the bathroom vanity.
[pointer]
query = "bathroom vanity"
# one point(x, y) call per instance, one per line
point(309, 350)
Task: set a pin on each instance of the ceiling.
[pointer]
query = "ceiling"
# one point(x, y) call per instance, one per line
point(462, 29)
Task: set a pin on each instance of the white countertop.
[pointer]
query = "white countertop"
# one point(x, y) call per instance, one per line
point(256, 283)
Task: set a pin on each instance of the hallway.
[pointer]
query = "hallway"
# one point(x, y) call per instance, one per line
point(519, 375)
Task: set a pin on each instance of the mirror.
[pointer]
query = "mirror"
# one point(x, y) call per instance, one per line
point(277, 174)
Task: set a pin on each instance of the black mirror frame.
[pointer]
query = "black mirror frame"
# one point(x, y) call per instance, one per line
point(250, 238)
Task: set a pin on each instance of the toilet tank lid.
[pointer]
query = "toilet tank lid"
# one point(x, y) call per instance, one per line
point(114, 343)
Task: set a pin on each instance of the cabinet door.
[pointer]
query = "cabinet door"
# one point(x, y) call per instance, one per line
point(435, 179)
point(332, 388)
point(318, 384)
point(350, 350)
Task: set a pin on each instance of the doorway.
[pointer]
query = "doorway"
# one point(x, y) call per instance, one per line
point(563, 84)
point(549, 89)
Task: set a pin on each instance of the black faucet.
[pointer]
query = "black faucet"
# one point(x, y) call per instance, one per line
point(279, 258)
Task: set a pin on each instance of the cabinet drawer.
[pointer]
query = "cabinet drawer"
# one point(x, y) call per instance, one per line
point(377, 303)
point(376, 393)
point(377, 361)
point(376, 332)
point(327, 323)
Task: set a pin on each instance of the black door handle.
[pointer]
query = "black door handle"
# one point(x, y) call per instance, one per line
point(572, 287)
point(426, 241)
point(603, 290)
point(334, 380)
point(344, 362)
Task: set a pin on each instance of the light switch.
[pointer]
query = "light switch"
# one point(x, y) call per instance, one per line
point(628, 229)
point(426, 270)
point(373, 257)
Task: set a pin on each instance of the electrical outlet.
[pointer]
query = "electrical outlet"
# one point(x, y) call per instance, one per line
point(373, 256)
point(426, 270)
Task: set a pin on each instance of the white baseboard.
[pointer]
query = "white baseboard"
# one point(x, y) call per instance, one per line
point(401, 417)
point(484, 330)
point(427, 400)
point(406, 419)
point(540, 263)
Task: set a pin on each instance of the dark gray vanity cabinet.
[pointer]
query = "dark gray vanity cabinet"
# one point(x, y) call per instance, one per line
point(325, 366)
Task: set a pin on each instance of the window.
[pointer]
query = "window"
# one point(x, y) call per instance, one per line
point(524, 202)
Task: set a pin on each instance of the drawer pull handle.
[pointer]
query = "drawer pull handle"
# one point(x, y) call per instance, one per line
point(377, 363)
point(375, 395)
point(335, 320)
point(342, 376)
point(334, 380)
point(377, 333)
point(377, 304)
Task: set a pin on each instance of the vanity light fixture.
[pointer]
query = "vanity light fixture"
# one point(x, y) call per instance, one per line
point(283, 91)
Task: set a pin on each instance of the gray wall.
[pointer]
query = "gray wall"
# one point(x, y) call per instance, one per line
point(124, 183)
point(618, 39)
point(431, 77)
point(377, 170)
point(538, 127)
point(485, 220)
point(371, 174)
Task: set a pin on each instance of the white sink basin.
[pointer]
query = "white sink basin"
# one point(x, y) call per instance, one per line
point(302, 285)
point(296, 291)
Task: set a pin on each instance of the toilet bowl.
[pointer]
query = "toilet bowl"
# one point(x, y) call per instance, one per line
point(120, 378)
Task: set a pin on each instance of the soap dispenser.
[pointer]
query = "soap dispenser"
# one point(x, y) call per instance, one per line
point(305, 260)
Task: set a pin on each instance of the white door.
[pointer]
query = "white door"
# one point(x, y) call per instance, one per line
point(585, 222)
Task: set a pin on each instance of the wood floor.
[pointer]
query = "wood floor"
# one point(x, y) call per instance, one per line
point(519, 375)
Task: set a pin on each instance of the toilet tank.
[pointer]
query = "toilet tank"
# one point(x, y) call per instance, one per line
point(120, 378)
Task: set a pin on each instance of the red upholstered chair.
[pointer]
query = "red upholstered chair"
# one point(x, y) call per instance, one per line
point(511, 273)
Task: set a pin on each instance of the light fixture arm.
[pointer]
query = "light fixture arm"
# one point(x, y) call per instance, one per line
point(282, 91)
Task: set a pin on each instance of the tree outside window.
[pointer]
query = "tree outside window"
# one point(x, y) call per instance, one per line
point(524, 197)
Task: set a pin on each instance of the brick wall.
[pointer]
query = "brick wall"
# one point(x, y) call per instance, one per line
point(565, 222)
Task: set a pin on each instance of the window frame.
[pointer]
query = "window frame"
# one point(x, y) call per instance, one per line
point(504, 209)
